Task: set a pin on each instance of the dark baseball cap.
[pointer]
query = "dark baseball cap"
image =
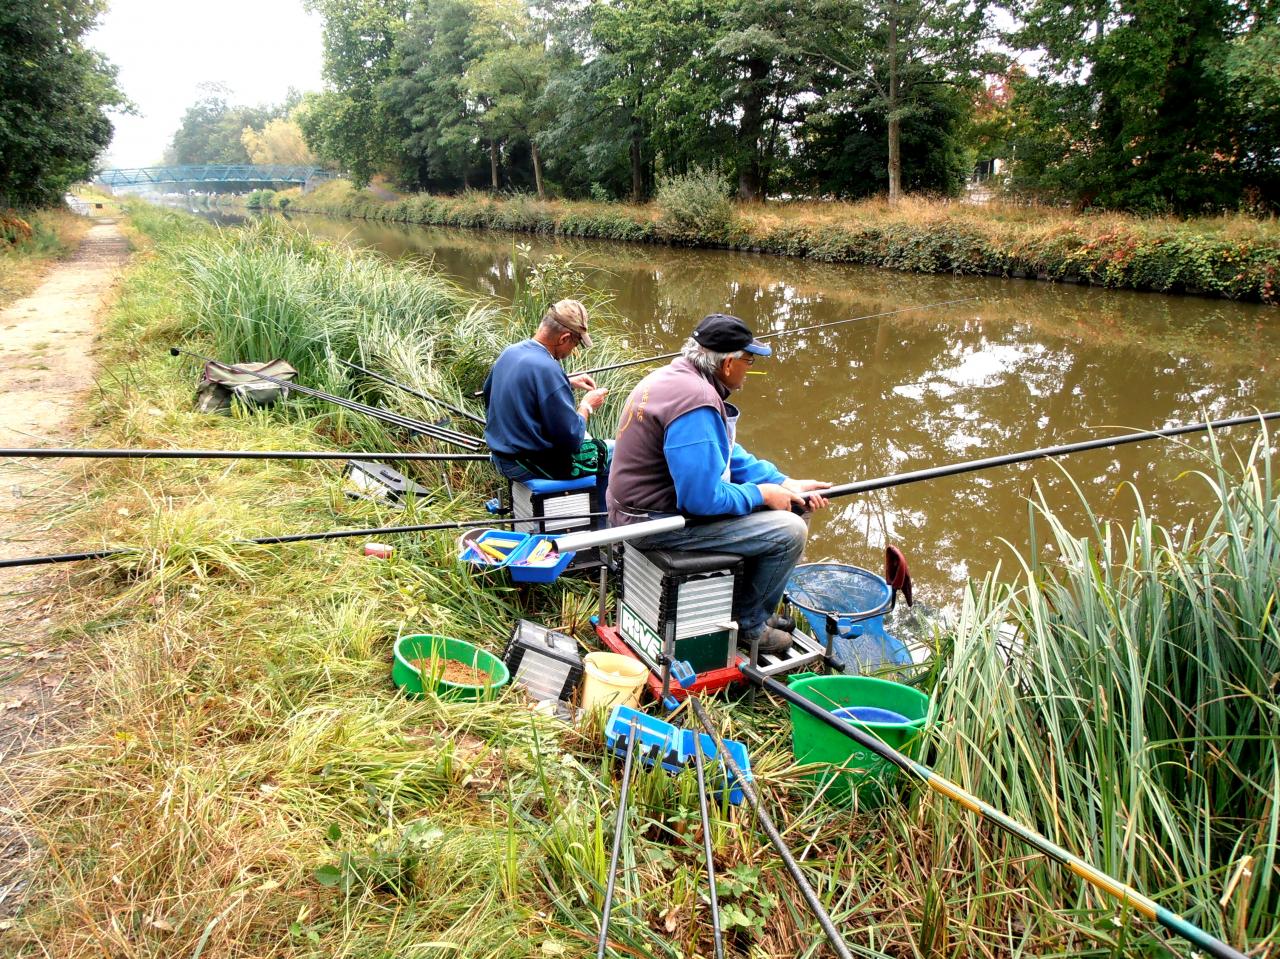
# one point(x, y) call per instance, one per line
point(722, 333)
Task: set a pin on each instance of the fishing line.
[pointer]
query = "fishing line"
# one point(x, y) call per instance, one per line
point(776, 333)
point(161, 454)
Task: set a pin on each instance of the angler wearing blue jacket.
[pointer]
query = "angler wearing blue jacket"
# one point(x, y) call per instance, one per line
point(534, 427)
point(676, 452)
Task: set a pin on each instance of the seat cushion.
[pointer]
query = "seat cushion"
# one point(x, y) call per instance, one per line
point(690, 561)
point(558, 486)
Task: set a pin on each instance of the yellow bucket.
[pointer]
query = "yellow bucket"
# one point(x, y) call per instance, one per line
point(612, 680)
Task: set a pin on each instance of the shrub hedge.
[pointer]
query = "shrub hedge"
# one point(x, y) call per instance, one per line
point(1162, 255)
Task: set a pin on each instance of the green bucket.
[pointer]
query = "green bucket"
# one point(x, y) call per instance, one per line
point(409, 678)
point(852, 773)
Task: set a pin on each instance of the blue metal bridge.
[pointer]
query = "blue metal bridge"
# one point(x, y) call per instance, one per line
point(210, 173)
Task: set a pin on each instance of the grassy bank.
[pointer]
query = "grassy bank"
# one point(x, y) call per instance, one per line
point(248, 783)
point(30, 243)
point(1232, 257)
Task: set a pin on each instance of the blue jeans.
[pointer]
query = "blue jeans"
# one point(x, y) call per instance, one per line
point(770, 543)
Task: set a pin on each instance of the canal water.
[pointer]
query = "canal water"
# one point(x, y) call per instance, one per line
point(1022, 365)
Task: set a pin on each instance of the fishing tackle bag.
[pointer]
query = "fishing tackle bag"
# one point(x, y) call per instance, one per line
point(219, 385)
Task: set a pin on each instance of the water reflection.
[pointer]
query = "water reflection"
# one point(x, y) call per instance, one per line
point(1025, 365)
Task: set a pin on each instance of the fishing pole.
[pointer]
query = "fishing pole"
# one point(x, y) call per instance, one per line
point(428, 429)
point(706, 845)
point(766, 823)
point(971, 466)
point(1126, 894)
point(412, 392)
point(303, 537)
point(620, 534)
point(802, 329)
point(148, 454)
point(617, 842)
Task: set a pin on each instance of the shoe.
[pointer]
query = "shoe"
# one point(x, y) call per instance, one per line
point(779, 621)
point(771, 641)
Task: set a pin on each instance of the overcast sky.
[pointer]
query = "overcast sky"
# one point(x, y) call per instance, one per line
point(166, 48)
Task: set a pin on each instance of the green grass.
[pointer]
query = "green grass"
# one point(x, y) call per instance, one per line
point(249, 783)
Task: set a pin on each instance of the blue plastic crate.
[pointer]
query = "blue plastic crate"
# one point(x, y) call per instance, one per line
point(546, 570)
point(660, 741)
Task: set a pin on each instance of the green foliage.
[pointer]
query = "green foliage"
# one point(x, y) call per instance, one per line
point(696, 204)
point(261, 200)
point(54, 94)
point(212, 130)
point(1149, 105)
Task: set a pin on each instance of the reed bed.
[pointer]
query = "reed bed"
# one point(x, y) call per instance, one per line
point(248, 782)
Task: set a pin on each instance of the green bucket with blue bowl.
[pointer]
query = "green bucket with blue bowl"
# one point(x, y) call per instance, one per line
point(436, 651)
point(848, 773)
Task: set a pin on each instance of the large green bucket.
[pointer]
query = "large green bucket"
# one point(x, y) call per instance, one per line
point(408, 677)
point(849, 772)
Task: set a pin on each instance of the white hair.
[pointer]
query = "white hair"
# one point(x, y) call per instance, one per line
point(707, 361)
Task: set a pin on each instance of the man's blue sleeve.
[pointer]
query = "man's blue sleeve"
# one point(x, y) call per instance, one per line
point(694, 446)
point(562, 425)
point(745, 468)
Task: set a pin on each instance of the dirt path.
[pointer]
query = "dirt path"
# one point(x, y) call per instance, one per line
point(46, 366)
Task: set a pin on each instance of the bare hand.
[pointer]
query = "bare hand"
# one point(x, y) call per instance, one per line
point(808, 486)
point(592, 401)
point(779, 497)
point(582, 381)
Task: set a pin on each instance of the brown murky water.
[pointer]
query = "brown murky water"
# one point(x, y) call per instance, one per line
point(1024, 365)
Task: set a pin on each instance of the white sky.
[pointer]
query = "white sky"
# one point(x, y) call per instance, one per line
point(165, 48)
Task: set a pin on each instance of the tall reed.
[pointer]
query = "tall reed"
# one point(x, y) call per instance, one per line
point(1120, 697)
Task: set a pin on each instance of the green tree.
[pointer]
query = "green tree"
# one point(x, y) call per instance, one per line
point(211, 129)
point(510, 81)
point(54, 94)
point(349, 123)
point(890, 56)
point(1141, 104)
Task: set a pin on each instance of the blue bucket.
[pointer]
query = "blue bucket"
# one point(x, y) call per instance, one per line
point(857, 600)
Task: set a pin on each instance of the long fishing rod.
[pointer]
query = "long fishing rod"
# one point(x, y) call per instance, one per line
point(395, 419)
point(708, 851)
point(1126, 894)
point(155, 454)
point(603, 942)
point(766, 823)
point(620, 534)
point(301, 537)
point(412, 392)
point(901, 479)
point(775, 333)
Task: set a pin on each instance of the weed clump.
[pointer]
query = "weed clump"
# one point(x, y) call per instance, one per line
point(696, 204)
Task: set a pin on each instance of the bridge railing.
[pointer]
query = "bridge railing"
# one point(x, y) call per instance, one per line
point(210, 173)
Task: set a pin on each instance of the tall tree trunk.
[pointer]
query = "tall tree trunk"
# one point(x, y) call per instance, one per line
point(895, 121)
point(537, 169)
point(750, 172)
point(637, 162)
point(493, 165)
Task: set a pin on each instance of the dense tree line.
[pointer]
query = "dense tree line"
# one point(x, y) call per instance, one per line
point(54, 94)
point(213, 130)
point(1136, 104)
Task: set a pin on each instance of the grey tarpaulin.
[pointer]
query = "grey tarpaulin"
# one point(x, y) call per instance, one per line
point(218, 385)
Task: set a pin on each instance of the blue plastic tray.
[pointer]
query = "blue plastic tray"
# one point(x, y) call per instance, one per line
point(477, 558)
point(545, 571)
point(660, 741)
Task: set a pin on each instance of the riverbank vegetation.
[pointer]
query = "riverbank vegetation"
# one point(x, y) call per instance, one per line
point(30, 243)
point(1154, 107)
point(1236, 257)
point(248, 782)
